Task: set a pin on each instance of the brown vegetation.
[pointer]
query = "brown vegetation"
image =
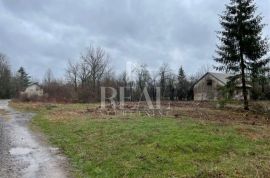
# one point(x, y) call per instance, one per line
point(208, 111)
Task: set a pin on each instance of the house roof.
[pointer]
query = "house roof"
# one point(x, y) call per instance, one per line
point(223, 78)
point(36, 83)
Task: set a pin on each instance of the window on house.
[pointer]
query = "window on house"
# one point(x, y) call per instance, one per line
point(209, 82)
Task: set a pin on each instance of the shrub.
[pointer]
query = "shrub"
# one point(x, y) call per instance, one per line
point(222, 103)
point(261, 108)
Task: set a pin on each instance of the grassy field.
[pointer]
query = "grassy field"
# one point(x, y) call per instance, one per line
point(140, 146)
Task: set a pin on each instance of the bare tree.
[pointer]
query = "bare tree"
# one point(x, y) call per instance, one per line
point(96, 61)
point(164, 72)
point(48, 77)
point(143, 76)
point(171, 86)
point(153, 84)
point(200, 73)
point(203, 70)
point(73, 74)
point(83, 74)
point(123, 79)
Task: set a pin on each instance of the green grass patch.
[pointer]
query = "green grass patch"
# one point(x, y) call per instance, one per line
point(156, 147)
point(145, 147)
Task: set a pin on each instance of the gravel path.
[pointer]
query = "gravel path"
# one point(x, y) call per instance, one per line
point(22, 153)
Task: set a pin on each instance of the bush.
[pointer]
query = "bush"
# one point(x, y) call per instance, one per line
point(25, 98)
point(222, 103)
point(58, 92)
point(261, 108)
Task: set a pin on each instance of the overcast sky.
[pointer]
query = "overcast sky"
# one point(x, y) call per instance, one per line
point(45, 34)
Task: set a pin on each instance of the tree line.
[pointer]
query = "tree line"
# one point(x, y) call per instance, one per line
point(11, 84)
point(84, 78)
point(93, 71)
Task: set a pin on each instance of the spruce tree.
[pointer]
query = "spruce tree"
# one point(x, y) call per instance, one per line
point(182, 84)
point(242, 46)
point(181, 74)
point(23, 79)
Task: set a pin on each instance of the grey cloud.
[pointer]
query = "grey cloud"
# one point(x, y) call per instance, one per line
point(45, 34)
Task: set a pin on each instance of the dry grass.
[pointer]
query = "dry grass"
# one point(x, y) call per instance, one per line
point(4, 114)
point(258, 115)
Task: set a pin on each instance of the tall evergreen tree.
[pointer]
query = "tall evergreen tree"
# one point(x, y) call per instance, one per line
point(182, 91)
point(241, 43)
point(23, 79)
point(181, 74)
point(5, 77)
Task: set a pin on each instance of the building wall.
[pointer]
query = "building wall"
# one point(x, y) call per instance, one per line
point(33, 90)
point(203, 91)
point(238, 94)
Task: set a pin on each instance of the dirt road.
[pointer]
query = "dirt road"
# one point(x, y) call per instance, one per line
point(22, 153)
